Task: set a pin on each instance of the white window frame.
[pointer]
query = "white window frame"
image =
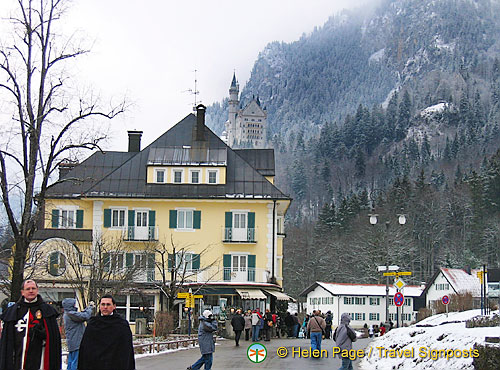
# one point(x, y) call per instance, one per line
point(184, 210)
point(191, 172)
point(187, 263)
point(211, 170)
point(239, 255)
point(113, 258)
point(156, 171)
point(174, 170)
point(67, 209)
point(374, 301)
point(125, 218)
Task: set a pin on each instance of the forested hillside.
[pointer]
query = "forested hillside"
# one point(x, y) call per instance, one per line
point(397, 108)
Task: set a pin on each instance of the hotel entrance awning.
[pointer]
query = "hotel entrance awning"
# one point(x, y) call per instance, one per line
point(280, 296)
point(251, 293)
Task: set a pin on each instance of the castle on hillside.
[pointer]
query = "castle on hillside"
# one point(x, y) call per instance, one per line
point(246, 127)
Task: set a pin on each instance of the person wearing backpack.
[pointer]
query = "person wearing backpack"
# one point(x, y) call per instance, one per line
point(316, 327)
point(328, 321)
point(343, 337)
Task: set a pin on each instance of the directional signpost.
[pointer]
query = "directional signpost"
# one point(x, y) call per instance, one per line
point(189, 304)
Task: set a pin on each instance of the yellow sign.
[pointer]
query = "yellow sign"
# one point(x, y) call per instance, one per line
point(189, 298)
point(402, 273)
point(399, 284)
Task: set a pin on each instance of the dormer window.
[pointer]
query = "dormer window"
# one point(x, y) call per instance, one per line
point(195, 177)
point(213, 176)
point(178, 176)
point(160, 176)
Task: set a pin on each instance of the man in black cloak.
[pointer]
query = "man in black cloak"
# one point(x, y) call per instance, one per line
point(30, 337)
point(107, 341)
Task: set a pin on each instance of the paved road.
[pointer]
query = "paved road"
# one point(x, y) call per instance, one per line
point(227, 356)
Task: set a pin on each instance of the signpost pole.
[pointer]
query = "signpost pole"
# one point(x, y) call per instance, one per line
point(402, 310)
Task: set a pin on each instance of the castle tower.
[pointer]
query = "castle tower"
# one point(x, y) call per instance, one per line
point(234, 102)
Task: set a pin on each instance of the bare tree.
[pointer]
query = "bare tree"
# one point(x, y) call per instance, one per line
point(46, 123)
point(174, 265)
point(91, 271)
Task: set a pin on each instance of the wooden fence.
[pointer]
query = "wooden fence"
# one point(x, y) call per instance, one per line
point(170, 344)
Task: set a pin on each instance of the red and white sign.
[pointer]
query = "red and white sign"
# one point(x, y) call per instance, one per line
point(399, 299)
point(445, 299)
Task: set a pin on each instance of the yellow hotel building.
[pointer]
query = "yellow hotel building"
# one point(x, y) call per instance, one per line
point(188, 190)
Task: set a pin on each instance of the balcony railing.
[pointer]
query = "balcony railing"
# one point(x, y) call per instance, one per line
point(233, 235)
point(214, 274)
point(139, 233)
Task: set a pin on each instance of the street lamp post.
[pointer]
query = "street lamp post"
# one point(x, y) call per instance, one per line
point(387, 268)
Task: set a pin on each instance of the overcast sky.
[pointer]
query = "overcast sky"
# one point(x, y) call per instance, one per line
point(148, 50)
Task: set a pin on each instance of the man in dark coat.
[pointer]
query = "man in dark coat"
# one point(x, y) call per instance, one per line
point(208, 325)
point(107, 341)
point(30, 337)
point(238, 324)
point(289, 324)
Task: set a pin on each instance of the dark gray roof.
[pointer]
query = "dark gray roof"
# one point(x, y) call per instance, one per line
point(124, 174)
point(89, 172)
point(83, 235)
point(260, 159)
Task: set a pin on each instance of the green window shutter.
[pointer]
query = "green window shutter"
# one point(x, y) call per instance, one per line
point(53, 265)
point(129, 259)
point(107, 218)
point(170, 261)
point(251, 260)
point(196, 262)
point(131, 223)
point(131, 218)
point(152, 218)
point(55, 218)
point(151, 226)
point(226, 260)
point(151, 260)
point(251, 267)
point(229, 219)
point(172, 219)
point(79, 218)
point(251, 220)
point(197, 219)
point(105, 261)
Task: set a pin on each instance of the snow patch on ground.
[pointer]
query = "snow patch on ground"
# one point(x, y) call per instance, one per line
point(439, 332)
point(436, 108)
point(377, 56)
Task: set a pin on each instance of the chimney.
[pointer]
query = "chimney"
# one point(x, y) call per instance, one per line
point(134, 141)
point(65, 168)
point(200, 122)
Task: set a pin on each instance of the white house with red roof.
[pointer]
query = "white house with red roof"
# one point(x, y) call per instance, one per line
point(365, 303)
point(447, 281)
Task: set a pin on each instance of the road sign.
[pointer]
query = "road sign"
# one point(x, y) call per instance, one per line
point(445, 299)
point(389, 274)
point(399, 299)
point(399, 283)
point(182, 295)
point(403, 273)
point(391, 268)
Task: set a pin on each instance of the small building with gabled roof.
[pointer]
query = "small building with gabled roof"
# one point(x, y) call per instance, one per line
point(447, 281)
point(365, 303)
